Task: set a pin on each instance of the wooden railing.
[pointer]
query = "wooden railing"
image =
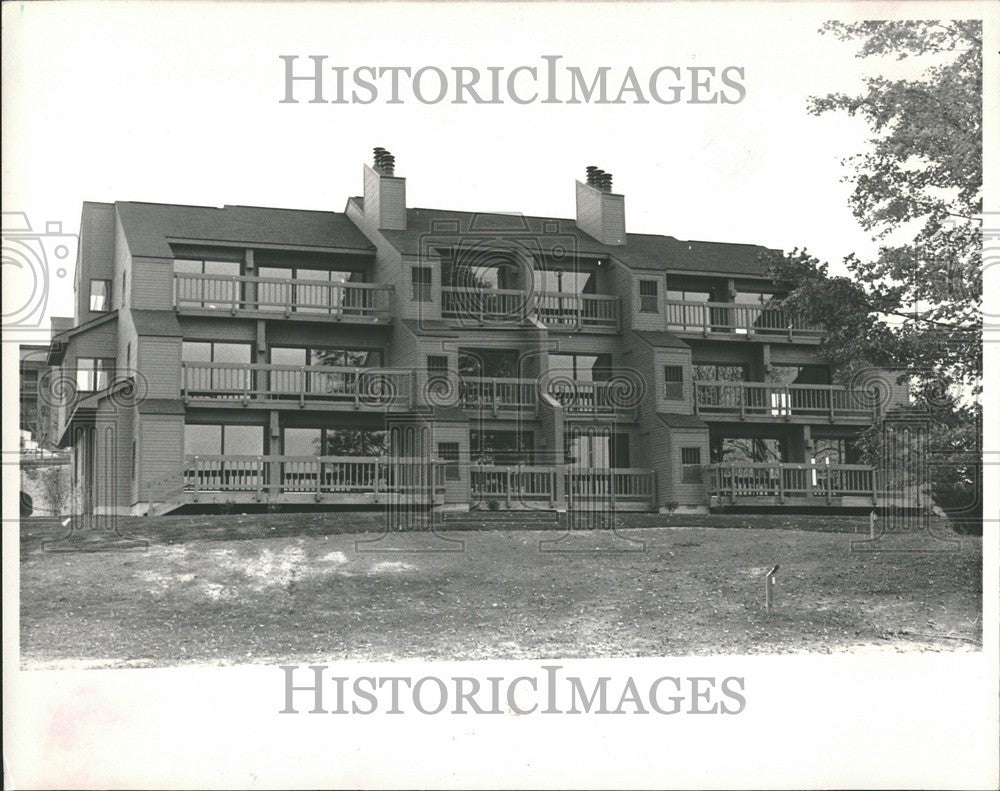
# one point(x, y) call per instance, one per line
point(820, 482)
point(497, 394)
point(341, 301)
point(749, 400)
point(729, 317)
point(529, 484)
point(609, 484)
point(579, 397)
point(358, 387)
point(321, 475)
point(553, 308)
point(484, 305)
point(567, 309)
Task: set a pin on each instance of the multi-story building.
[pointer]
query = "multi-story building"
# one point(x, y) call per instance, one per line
point(279, 357)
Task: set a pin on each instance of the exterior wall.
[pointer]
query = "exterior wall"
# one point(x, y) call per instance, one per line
point(688, 493)
point(161, 457)
point(113, 474)
point(601, 214)
point(387, 268)
point(97, 255)
point(152, 284)
point(671, 356)
point(385, 200)
point(159, 363)
point(648, 320)
point(456, 491)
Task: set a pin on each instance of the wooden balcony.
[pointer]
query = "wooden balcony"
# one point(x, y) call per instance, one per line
point(347, 480)
point(731, 320)
point(564, 310)
point(557, 310)
point(766, 402)
point(578, 398)
point(309, 300)
point(303, 386)
point(798, 485)
point(498, 395)
point(526, 486)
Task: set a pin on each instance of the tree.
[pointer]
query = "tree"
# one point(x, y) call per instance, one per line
point(916, 307)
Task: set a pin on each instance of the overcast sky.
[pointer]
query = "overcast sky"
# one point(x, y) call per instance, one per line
point(180, 104)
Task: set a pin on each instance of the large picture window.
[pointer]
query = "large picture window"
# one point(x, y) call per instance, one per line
point(216, 368)
point(94, 373)
point(307, 290)
point(211, 285)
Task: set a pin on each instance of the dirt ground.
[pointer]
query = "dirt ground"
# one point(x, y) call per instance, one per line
point(493, 594)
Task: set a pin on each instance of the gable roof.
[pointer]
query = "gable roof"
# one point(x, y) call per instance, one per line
point(640, 251)
point(650, 251)
point(148, 226)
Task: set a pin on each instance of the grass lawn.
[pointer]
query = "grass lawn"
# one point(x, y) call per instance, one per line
point(237, 596)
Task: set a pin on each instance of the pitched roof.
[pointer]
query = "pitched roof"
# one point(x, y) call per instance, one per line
point(640, 251)
point(662, 339)
point(650, 251)
point(677, 420)
point(162, 323)
point(548, 234)
point(148, 226)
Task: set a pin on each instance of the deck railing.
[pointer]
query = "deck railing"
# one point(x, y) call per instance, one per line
point(326, 384)
point(527, 484)
point(555, 309)
point(507, 306)
point(820, 482)
point(341, 301)
point(320, 475)
point(566, 309)
point(748, 400)
point(729, 317)
point(579, 397)
point(497, 394)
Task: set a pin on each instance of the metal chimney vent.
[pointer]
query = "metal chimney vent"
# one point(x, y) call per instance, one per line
point(385, 163)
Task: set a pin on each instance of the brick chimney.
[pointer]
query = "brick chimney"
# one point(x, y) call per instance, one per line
point(385, 193)
point(599, 211)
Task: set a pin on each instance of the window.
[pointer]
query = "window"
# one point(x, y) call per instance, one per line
point(437, 368)
point(690, 465)
point(100, 296)
point(501, 447)
point(673, 382)
point(212, 285)
point(93, 374)
point(648, 293)
point(217, 439)
point(219, 368)
point(333, 442)
point(420, 277)
point(448, 452)
point(304, 290)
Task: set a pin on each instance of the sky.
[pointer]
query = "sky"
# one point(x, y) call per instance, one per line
point(180, 103)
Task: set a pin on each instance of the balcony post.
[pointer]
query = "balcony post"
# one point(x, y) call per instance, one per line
point(611, 486)
point(375, 478)
point(319, 479)
point(493, 385)
point(357, 389)
point(781, 485)
point(197, 478)
point(732, 483)
point(829, 485)
point(743, 402)
point(831, 394)
point(508, 488)
point(260, 478)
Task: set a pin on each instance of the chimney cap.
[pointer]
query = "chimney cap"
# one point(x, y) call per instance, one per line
point(385, 163)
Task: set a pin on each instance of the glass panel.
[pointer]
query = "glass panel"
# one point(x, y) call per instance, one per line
point(85, 376)
point(274, 295)
point(354, 442)
point(202, 440)
point(187, 266)
point(288, 356)
point(231, 353)
point(301, 441)
point(196, 352)
point(99, 295)
point(243, 440)
point(227, 268)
